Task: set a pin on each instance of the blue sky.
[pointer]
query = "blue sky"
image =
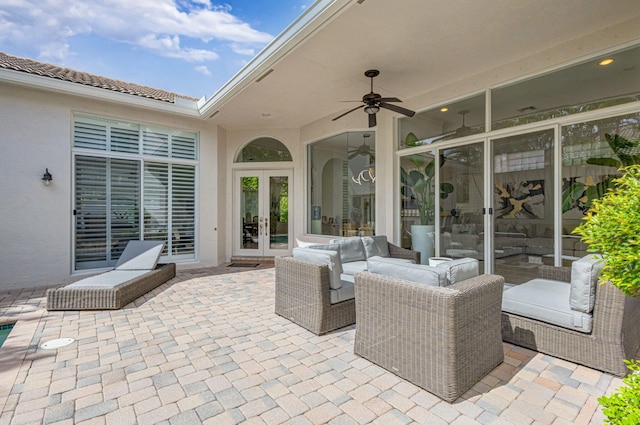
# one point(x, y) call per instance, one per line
point(190, 47)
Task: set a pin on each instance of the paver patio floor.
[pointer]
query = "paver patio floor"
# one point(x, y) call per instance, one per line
point(207, 348)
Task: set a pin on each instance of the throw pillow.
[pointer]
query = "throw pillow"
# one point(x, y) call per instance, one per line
point(584, 278)
point(351, 249)
point(375, 246)
point(420, 273)
point(460, 269)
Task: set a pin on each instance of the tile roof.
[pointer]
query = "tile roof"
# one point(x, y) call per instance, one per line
point(66, 74)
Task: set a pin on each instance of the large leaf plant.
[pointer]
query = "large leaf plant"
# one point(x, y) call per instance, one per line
point(417, 183)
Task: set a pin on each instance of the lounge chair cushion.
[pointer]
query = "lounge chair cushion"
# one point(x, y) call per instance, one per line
point(548, 301)
point(140, 255)
point(584, 278)
point(346, 292)
point(354, 267)
point(420, 273)
point(320, 254)
point(460, 269)
point(375, 246)
point(109, 279)
point(351, 248)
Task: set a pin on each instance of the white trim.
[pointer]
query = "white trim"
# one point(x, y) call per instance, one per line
point(76, 89)
point(306, 25)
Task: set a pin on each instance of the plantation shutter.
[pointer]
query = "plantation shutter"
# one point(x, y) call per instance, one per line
point(125, 204)
point(183, 209)
point(107, 209)
point(156, 202)
point(121, 196)
point(91, 212)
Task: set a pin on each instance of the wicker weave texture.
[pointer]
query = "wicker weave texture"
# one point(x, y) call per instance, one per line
point(615, 335)
point(303, 296)
point(88, 298)
point(303, 293)
point(441, 339)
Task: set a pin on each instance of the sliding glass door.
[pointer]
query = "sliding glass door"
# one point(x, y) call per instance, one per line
point(523, 204)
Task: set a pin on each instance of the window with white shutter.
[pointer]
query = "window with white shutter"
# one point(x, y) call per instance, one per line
point(122, 194)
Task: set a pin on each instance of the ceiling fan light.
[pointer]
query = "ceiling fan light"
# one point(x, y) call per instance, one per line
point(371, 109)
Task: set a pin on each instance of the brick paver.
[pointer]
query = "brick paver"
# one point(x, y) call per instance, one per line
point(207, 348)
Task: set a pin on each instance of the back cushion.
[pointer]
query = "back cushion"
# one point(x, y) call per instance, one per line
point(323, 255)
point(140, 255)
point(351, 249)
point(460, 269)
point(584, 278)
point(432, 276)
point(375, 246)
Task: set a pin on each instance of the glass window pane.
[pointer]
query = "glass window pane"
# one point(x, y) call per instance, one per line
point(579, 88)
point(342, 185)
point(451, 121)
point(523, 207)
point(278, 212)
point(592, 152)
point(264, 149)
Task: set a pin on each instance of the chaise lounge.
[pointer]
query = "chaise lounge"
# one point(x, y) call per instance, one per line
point(136, 273)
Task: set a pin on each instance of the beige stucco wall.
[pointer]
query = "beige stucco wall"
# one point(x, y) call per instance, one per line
point(35, 220)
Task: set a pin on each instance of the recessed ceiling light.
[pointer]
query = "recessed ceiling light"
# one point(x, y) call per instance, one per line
point(605, 62)
point(445, 109)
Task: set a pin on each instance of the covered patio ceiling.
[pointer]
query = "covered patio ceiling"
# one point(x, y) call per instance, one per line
point(419, 46)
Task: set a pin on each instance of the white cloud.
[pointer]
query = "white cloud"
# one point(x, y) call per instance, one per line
point(171, 28)
point(202, 69)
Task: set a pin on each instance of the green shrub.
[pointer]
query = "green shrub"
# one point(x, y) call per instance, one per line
point(612, 227)
point(623, 406)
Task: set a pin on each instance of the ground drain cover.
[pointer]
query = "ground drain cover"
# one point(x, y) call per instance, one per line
point(243, 265)
point(57, 343)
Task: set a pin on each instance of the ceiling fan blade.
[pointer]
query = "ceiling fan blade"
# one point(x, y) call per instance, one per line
point(398, 109)
point(348, 112)
point(372, 120)
point(389, 99)
point(353, 155)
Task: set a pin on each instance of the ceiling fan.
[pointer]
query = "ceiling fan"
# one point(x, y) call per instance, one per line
point(372, 102)
point(461, 131)
point(363, 149)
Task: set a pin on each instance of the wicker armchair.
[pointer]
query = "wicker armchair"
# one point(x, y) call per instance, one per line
point(303, 293)
point(443, 339)
point(615, 331)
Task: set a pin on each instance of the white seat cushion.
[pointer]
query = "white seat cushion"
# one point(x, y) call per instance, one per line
point(345, 293)
point(548, 301)
point(140, 255)
point(354, 267)
point(109, 279)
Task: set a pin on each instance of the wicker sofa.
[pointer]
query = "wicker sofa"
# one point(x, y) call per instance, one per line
point(313, 290)
point(613, 333)
point(443, 339)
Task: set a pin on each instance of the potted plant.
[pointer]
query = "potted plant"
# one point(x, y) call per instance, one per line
point(418, 186)
point(611, 227)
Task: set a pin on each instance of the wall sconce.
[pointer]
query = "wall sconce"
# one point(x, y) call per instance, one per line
point(47, 177)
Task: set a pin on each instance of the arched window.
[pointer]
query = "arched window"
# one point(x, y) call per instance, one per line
point(264, 149)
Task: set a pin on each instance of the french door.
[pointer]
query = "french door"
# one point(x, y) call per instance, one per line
point(262, 225)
